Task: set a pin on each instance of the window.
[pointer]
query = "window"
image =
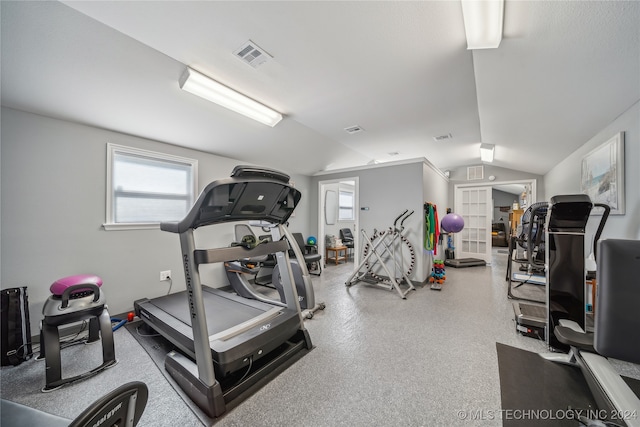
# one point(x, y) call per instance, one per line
point(145, 188)
point(345, 202)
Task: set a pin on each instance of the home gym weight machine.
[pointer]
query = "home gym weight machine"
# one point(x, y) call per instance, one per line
point(615, 335)
point(383, 252)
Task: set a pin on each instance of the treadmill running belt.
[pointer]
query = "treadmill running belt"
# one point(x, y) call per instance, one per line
point(534, 311)
point(220, 314)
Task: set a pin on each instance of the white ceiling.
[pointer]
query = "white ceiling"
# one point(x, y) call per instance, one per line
point(400, 70)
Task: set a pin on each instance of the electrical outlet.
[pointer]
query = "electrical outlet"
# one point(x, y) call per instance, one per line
point(165, 275)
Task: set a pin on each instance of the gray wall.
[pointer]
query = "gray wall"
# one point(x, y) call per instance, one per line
point(565, 177)
point(53, 191)
point(387, 190)
point(53, 206)
point(501, 198)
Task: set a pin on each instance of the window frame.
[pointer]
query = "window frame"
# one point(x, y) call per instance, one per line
point(112, 150)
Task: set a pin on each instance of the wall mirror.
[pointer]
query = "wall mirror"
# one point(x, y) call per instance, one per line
point(330, 207)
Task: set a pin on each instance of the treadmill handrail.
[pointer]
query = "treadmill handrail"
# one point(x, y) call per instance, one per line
point(233, 253)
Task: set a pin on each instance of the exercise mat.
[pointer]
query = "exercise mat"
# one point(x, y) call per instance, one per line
point(157, 348)
point(537, 392)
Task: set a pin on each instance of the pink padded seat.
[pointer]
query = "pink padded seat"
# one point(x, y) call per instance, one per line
point(59, 286)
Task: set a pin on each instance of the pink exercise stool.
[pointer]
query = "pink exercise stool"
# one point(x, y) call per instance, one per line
point(74, 299)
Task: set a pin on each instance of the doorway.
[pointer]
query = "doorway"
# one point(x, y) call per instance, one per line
point(475, 204)
point(338, 207)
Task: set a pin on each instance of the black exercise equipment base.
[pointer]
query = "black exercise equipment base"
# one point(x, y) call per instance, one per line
point(465, 262)
point(531, 320)
point(230, 391)
point(169, 316)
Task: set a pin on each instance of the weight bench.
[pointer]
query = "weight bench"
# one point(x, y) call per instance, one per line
point(122, 407)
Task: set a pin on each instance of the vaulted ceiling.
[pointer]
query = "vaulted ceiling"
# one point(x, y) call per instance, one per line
point(398, 69)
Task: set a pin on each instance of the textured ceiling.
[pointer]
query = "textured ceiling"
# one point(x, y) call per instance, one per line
point(400, 70)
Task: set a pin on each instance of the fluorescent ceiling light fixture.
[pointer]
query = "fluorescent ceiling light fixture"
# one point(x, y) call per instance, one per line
point(486, 152)
point(483, 23)
point(201, 85)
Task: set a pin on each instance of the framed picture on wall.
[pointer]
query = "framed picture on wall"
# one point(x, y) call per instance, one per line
point(603, 174)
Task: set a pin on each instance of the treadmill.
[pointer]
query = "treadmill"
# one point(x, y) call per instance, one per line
point(227, 345)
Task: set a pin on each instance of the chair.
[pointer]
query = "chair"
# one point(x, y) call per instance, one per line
point(310, 252)
point(499, 234)
point(347, 238)
point(122, 407)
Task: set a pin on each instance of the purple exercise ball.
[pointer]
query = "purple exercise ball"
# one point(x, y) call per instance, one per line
point(452, 223)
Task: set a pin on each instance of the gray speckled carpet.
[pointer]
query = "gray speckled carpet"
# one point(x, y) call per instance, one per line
point(428, 360)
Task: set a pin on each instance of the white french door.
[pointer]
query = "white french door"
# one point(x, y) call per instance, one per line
point(474, 205)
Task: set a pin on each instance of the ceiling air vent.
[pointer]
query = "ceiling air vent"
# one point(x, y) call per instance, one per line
point(353, 129)
point(252, 54)
point(475, 172)
point(442, 137)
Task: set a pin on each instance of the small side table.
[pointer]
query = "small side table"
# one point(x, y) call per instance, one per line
point(339, 254)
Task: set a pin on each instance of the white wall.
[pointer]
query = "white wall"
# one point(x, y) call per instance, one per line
point(565, 177)
point(53, 193)
point(436, 191)
point(459, 176)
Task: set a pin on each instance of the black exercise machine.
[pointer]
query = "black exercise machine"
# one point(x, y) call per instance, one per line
point(239, 270)
point(530, 263)
point(464, 262)
point(616, 335)
point(566, 222)
point(237, 343)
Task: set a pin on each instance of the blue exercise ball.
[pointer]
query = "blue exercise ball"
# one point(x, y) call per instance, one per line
point(452, 223)
point(311, 241)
